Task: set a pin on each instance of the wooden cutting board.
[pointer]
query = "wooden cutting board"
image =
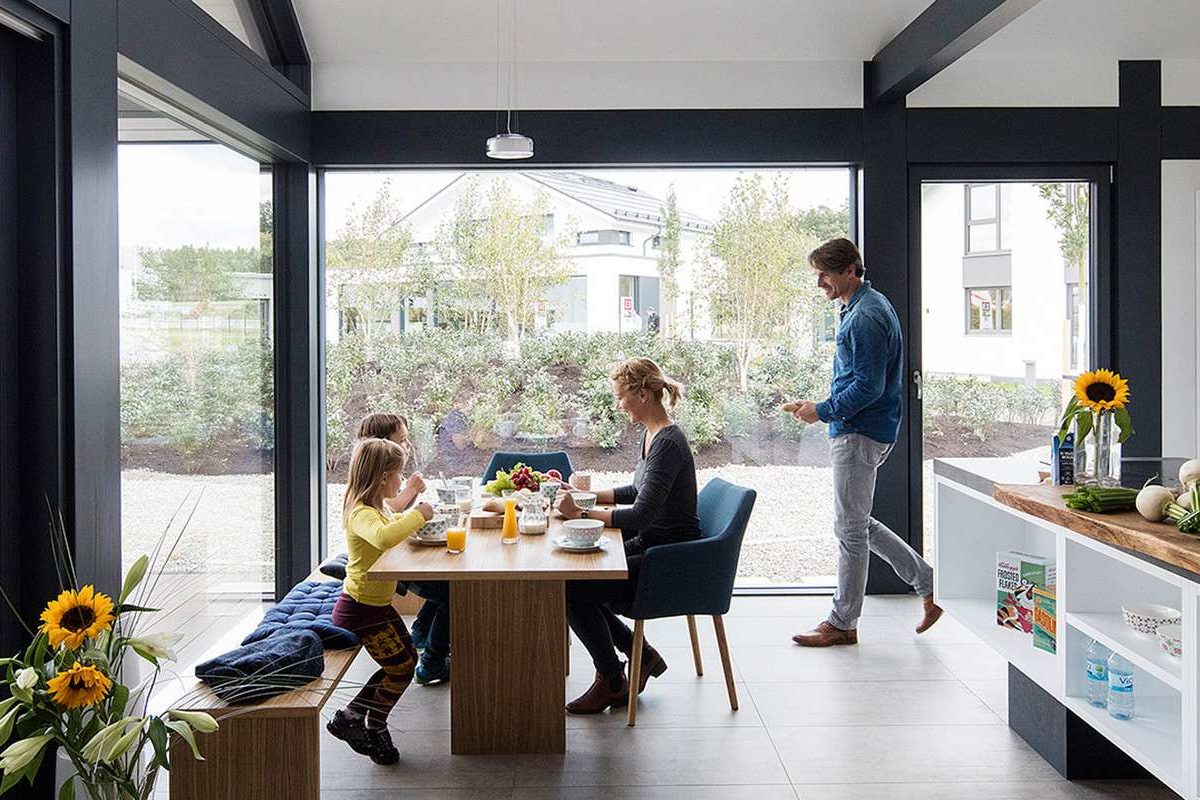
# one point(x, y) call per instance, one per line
point(480, 519)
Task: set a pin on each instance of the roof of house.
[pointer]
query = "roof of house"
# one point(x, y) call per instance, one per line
point(617, 200)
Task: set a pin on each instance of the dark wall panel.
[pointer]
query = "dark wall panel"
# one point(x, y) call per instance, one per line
point(1137, 288)
point(93, 369)
point(373, 138)
point(1014, 135)
point(182, 54)
point(1181, 132)
point(885, 254)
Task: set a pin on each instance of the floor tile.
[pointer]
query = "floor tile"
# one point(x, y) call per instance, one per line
point(994, 693)
point(871, 703)
point(620, 756)
point(1023, 790)
point(970, 662)
point(769, 792)
point(425, 763)
point(907, 754)
point(871, 661)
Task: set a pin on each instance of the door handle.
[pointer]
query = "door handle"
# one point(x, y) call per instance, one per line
point(916, 376)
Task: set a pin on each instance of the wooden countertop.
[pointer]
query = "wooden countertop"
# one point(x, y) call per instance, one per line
point(1127, 530)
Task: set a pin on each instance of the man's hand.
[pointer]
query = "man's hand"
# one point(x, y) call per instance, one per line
point(806, 411)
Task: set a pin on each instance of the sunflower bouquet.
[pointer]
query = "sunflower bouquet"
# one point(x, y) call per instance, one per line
point(1098, 403)
point(66, 689)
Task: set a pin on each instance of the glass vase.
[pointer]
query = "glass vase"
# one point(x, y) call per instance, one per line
point(1103, 452)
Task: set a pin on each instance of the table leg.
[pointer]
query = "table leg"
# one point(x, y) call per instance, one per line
point(508, 694)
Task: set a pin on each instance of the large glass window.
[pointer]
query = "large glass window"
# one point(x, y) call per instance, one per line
point(197, 396)
point(525, 317)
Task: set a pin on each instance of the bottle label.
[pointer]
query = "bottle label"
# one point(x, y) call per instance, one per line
point(1120, 682)
point(1097, 671)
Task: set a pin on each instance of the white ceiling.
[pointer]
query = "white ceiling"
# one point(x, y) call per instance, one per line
point(1065, 52)
point(420, 54)
point(587, 54)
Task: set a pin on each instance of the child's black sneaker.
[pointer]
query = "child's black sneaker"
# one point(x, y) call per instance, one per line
point(379, 746)
point(350, 729)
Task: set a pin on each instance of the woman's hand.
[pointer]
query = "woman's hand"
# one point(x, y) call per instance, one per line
point(426, 510)
point(566, 506)
point(415, 484)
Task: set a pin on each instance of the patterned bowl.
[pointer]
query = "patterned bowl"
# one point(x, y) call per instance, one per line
point(583, 532)
point(1147, 618)
point(584, 499)
point(445, 495)
point(434, 529)
point(1170, 639)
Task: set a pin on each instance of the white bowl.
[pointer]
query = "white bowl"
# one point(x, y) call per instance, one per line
point(1170, 639)
point(584, 499)
point(1147, 618)
point(435, 528)
point(583, 532)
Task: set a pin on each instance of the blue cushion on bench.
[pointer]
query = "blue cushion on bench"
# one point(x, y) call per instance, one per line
point(308, 606)
point(275, 665)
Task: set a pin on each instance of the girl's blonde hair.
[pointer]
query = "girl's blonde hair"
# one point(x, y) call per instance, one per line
point(373, 460)
point(642, 374)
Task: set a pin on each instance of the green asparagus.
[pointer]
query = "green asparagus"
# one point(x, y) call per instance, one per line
point(1102, 499)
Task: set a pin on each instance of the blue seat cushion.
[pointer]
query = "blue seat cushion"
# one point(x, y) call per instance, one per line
point(307, 607)
point(272, 666)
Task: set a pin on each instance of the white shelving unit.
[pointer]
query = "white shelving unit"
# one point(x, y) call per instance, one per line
point(1094, 580)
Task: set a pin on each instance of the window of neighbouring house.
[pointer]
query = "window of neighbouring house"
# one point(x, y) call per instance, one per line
point(566, 305)
point(984, 219)
point(989, 309)
point(603, 237)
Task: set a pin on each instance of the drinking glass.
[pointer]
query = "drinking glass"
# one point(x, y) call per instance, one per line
point(456, 539)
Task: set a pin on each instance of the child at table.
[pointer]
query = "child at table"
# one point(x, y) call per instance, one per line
point(431, 628)
point(365, 607)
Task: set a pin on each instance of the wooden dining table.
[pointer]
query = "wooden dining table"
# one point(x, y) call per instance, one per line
point(508, 631)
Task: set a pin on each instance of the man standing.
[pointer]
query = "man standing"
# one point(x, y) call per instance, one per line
point(651, 320)
point(863, 413)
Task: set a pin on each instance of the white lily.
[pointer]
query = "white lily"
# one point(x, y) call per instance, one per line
point(158, 645)
point(198, 720)
point(105, 739)
point(121, 745)
point(27, 678)
point(21, 753)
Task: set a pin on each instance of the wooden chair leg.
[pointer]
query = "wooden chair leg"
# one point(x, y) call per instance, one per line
point(635, 672)
point(695, 645)
point(723, 646)
point(567, 650)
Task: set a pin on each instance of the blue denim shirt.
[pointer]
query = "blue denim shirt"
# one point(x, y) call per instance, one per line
point(867, 388)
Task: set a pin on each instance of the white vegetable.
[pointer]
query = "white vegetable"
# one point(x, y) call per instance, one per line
point(1185, 500)
point(1188, 472)
point(1150, 501)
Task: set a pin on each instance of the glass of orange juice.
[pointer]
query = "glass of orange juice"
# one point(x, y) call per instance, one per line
point(456, 539)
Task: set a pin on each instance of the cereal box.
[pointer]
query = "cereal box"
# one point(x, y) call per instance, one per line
point(1016, 576)
point(1045, 621)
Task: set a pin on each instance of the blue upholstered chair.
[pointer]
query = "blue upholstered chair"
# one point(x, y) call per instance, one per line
point(542, 462)
point(693, 578)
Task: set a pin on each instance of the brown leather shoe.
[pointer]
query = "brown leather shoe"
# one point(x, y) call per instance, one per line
point(653, 665)
point(933, 612)
point(825, 635)
point(605, 691)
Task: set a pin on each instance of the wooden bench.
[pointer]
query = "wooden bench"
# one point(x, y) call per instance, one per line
point(267, 751)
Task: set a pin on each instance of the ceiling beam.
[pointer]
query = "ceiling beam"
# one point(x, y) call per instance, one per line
point(939, 36)
point(280, 30)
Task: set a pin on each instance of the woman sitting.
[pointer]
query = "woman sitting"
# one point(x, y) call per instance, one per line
point(661, 509)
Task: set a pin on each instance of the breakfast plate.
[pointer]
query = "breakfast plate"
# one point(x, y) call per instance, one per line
point(562, 544)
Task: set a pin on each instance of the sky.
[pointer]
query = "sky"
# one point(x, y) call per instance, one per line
point(207, 194)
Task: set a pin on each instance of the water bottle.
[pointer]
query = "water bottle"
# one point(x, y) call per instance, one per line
point(1097, 674)
point(1120, 687)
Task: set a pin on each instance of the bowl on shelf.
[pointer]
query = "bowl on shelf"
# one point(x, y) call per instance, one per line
point(1170, 639)
point(1147, 618)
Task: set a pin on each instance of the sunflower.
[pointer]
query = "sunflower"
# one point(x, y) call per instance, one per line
point(75, 616)
point(1101, 390)
point(82, 685)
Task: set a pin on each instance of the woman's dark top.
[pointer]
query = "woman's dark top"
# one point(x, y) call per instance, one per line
point(663, 494)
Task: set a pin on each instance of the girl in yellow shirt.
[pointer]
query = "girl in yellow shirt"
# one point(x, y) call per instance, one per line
point(376, 473)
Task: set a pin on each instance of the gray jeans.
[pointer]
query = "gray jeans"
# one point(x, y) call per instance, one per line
point(856, 460)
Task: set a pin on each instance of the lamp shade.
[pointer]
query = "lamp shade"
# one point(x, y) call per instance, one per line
point(509, 146)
